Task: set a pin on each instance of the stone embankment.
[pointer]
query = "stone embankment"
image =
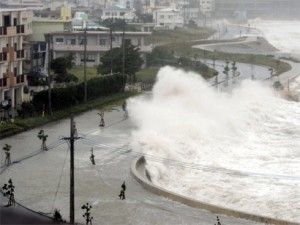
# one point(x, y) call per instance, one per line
point(140, 173)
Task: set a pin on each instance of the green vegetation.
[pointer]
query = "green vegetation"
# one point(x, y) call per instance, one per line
point(146, 75)
point(72, 95)
point(160, 37)
point(112, 60)
point(78, 72)
point(60, 68)
point(179, 42)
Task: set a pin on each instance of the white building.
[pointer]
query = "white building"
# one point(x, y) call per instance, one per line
point(128, 14)
point(167, 18)
point(15, 25)
point(98, 42)
point(207, 7)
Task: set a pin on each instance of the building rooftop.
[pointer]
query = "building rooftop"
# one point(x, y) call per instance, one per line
point(102, 32)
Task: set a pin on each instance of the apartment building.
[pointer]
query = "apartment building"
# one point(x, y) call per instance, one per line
point(207, 7)
point(118, 12)
point(168, 18)
point(98, 42)
point(15, 26)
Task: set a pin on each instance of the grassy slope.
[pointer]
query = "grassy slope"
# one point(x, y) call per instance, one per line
point(181, 41)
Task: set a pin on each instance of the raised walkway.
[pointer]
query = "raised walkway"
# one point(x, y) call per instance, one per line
point(141, 175)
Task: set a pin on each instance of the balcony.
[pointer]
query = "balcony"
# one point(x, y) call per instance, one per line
point(94, 48)
point(15, 81)
point(3, 83)
point(11, 31)
point(10, 51)
point(20, 29)
point(6, 75)
point(3, 57)
point(77, 48)
point(21, 79)
point(20, 54)
point(3, 31)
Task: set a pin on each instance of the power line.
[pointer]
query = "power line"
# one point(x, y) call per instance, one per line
point(130, 152)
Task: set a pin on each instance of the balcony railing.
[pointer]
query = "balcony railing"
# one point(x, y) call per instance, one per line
point(11, 31)
point(62, 47)
point(21, 79)
point(3, 31)
point(20, 29)
point(20, 54)
point(94, 48)
point(3, 56)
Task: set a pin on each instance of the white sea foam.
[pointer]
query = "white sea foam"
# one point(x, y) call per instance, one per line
point(284, 35)
point(249, 130)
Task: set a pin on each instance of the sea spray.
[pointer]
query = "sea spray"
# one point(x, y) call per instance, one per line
point(237, 150)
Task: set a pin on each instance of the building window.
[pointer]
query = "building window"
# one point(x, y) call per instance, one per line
point(90, 57)
point(107, 13)
point(139, 41)
point(15, 71)
point(59, 40)
point(161, 16)
point(71, 41)
point(81, 41)
point(103, 41)
point(170, 16)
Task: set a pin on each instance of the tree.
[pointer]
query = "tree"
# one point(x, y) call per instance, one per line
point(70, 60)
point(114, 23)
point(60, 67)
point(132, 60)
point(161, 56)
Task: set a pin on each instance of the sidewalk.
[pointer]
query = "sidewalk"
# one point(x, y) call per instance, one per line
point(19, 215)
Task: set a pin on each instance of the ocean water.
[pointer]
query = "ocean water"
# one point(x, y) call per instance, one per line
point(238, 150)
point(284, 35)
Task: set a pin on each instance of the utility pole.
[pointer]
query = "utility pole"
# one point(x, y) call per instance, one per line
point(47, 62)
point(123, 50)
point(71, 139)
point(84, 63)
point(72, 189)
point(111, 64)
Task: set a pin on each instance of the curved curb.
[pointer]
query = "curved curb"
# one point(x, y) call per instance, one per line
point(140, 173)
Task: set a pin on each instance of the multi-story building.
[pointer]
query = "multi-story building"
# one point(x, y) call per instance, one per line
point(15, 25)
point(207, 7)
point(36, 51)
point(117, 12)
point(168, 18)
point(98, 42)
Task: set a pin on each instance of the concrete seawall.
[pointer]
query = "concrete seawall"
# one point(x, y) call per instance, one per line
point(141, 175)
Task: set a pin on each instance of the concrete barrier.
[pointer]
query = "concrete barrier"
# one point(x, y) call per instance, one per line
point(140, 173)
